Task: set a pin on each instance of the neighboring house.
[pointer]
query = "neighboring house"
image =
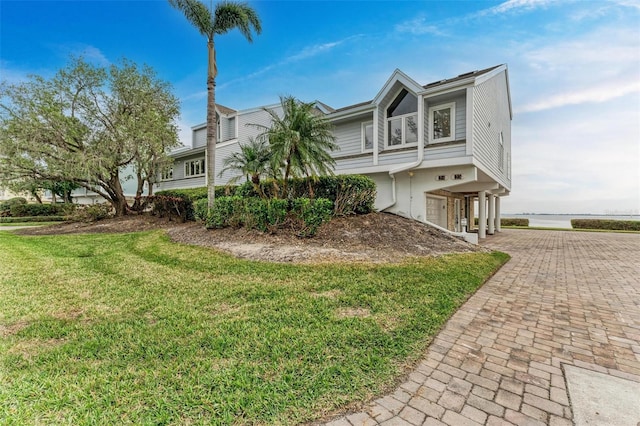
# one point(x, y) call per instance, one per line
point(434, 151)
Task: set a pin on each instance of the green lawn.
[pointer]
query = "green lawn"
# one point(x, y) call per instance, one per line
point(131, 328)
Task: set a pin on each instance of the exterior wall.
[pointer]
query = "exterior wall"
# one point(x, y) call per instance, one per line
point(349, 137)
point(490, 117)
point(200, 137)
point(412, 187)
point(461, 112)
point(222, 153)
point(179, 179)
point(351, 163)
point(446, 150)
point(400, 156)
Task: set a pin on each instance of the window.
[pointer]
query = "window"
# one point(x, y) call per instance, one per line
point(367, 136)
point(194, 168)
point(167, 174)
point(501, 153)
point(402, 120)
point(442, 119)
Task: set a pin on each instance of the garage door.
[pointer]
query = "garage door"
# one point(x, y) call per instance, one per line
point(437, 210)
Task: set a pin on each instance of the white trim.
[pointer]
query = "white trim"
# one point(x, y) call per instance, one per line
point(403, 79)
point(227, 143)
point(363, 137)
point(469, 114)
point(203, 166)
point(376, 137)
point(452, 123)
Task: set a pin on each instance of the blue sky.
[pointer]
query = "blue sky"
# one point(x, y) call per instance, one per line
point(574, 69)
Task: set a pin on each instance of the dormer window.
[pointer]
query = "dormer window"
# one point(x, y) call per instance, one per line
point(402, 120)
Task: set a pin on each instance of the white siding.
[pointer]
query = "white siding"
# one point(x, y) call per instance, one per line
point(200, 137)
point(490, 117)
point(350, 165)
point(438, 152)
point(221, 154)
point(398, 157)
point(348, 137)
point(461, 112)
point(246, 121)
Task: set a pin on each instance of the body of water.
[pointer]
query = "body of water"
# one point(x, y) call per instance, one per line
point(564, 220)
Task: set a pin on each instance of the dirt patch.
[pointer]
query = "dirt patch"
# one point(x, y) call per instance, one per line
point(375, 237)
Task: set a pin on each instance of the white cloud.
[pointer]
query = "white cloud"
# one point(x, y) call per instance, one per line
point(595, 94)
point(418, 26)
point(306, 53)
point(517, 5)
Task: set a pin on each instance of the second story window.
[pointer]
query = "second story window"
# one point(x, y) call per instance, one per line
point(501, 153)
point(442, 120)
point(194, 168)
point(402, 120)
point(367, 136)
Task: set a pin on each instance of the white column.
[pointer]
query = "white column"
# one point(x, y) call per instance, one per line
point(482, 214)
point(498, 219)
point(492, 214)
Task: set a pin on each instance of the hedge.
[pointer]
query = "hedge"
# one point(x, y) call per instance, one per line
point(303, 214)
point(5, 206)
point(28, 210)
point(350, 194)
point(32, 219)
point(508, 221)
point(607, 224)
point(180, 202)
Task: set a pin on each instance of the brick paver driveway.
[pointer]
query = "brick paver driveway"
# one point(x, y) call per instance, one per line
point(564, 298)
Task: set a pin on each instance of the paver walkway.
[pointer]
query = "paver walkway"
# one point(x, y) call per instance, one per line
point(564, 298)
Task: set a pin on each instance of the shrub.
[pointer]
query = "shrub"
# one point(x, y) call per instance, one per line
point(312, 213)
point(607, 224)
point(351, 194)
point(92, 212)
point(32, 219)
point(180, 202)
point(21, 210)
point(201, 209)
point(5, 206)
point(508, 221)
point(226, 211)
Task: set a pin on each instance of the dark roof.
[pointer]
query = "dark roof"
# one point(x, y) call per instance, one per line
point(460, 77)
point(353, 106)
point(225, 110)
point(430, 85)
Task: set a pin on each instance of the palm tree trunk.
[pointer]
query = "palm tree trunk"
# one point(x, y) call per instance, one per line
point(211, 125)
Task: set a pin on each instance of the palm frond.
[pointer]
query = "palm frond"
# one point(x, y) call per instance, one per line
point(229, 15)
point(198, 14)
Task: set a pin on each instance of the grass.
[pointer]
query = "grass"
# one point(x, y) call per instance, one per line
point(26, 224)
point(131, 328)
point(545, 228)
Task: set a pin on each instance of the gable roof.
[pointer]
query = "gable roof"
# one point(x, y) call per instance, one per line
point(430, 86)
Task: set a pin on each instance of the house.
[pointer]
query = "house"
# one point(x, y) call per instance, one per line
point(436, 152)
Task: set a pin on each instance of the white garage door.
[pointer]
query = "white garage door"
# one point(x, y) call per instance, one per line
point(437, 210)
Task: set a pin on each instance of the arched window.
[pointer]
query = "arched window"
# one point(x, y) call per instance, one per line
point(402, 120)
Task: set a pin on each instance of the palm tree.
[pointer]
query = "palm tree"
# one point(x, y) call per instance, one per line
point(225, 17)
point(252, 161)
point(300, 140)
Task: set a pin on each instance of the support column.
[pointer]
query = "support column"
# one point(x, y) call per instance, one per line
point(498, 218)
point(482, 214)
point(492, 214)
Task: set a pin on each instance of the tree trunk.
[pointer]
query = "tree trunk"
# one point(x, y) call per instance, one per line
point(117, 200)
point(37, 197)
point(212, 125)
point(138, 205)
